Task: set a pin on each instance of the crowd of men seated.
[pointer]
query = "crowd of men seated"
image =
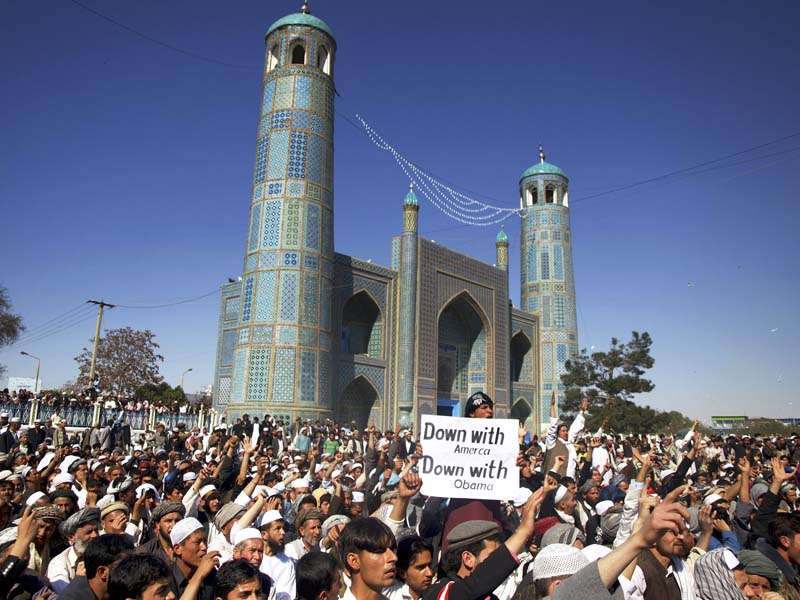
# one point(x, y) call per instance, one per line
point(322, 510)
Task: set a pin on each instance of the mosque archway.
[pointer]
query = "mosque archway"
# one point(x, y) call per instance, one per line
point(359, 402)
point(521, 358)
point(362, 326)
point(461, 354)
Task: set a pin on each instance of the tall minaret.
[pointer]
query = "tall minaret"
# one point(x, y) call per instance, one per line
point(406, 355)
point(501, 250)
point(547, 283)
point(282, 361)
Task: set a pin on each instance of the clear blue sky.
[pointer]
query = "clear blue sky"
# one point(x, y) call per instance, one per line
point(125, 167)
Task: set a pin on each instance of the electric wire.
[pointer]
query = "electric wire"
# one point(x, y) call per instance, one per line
point(56, 325)
point(168, 304)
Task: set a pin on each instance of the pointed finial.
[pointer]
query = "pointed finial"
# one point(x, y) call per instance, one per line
point(304, 9)
point(541, 153)
point(411, 186)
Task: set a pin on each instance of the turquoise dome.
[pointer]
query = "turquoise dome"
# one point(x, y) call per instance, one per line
point(502, 238)
point(411, 199)
point(543, 168)
point(301, 19)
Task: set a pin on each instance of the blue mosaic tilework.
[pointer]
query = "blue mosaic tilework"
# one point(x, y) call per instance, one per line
point(546, 320)
point(324, 379)
point(275, 188)
point(395, 254)
point(327, 234)
point(244, 335)
point(283, 93)
point(269, 93)
point(258, 191)
point(286, 334)
point(248, 299)
point(265, 297)
point(224, 390)
point(239, 370)
point(327, 197)
point(316, 152)
point(232, 308)
point(561, 352)
point(259, 375)
point(317, 97)
point(296, 189)
point(278, 154)
point(291, 259)
point(288, 311)
point(547, 361)
point(317, 124)
point(325, 305)
point(558, 262)
point(312, 226)
point(264, 125)
point(545, 257)
point(544, 236)
point(375, 345)
point(262, 334)
point(262, 150)
point(328, 104)
point(272, 224)
point(308, 376)
point(291, 226)
point(349, 371)
point(532, 263)
point(310, 299)
point(327, 268)
point(477, 377)
point(251, 264)
point(556, 236)
point(283, 377)
point(533, 303)
point(311, 261)
point(269, 259)
point(308, 337)
point(281, 119)
point(555, 219)
point(559, 312)
point(229, 337)
point(300, 119)
point(298, 153)
point(324, 340)
point(313, 191)
point(302, 92)
point(255, 226)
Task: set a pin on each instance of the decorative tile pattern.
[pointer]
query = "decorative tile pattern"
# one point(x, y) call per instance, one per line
point(308, 336)
point(248, 299)
point(251, 263)
point(255, 226)
point(275, 188)
point(316, 151)
point(278, 154)
point(302, 91)
point(296, 189)
point(224, 390)
point(349, 371)
point(269, 93)
point(283, 92)
point(262, 334)
point(324, 377)
point(301, 119)
point(312, 226)
point(286, 335)
point(283, 376)
point(291, 260)
point(265, 298)
point(308, 376)
point(229, 337)
point(325, 306)
point(324, 340)
point(258, 192)
point(262, 150)
point(272, 224)
point(559, 312)
point(258, 380)
point(310, 299)
point(269, 259)
point(327, 233)
point(232, 308)
point(558, 262)
point(310, 261)
point(317, 124)
point(298, 154)
point(291, 226)
point(281, 119)
point(288, 311)
point(239, 371)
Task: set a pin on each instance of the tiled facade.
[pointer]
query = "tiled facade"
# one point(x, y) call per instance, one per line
point(307, 332)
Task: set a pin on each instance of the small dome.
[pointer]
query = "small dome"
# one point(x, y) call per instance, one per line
point(411, 199)
point(544, 168)
point(301, 19)
point(502, 238)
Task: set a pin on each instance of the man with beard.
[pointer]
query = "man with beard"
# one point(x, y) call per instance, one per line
point(276, 564)
point(165, 516)
point(309, 526)
point(666, 575)
point(48, 519)
point(100, 555)
point(79, 530)
point(193, 568)
point(249, 547)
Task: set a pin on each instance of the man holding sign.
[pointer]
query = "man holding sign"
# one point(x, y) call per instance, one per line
point(468, 458)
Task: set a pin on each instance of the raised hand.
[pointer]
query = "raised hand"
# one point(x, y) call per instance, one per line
point(779, 473)
point(705, 519)
point(409, 485)
point(585, 405)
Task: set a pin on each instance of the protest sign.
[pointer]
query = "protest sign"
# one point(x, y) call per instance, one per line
point(469, 458)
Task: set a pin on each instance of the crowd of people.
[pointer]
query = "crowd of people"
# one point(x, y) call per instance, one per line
point(64, 401)
point(324, 510)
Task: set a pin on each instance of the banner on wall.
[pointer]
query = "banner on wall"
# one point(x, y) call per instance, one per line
point(469, 458)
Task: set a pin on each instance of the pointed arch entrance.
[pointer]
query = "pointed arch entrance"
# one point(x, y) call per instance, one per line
point(461, 353)
point(359, 402)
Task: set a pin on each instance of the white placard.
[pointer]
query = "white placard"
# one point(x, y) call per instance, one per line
point(469, 458)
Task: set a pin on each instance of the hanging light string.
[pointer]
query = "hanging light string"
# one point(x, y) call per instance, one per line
point(454, 204)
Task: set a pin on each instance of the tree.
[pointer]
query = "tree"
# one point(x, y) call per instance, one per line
point(161, 393)
point(10, 324)
point(126, 360)
point(609, 380)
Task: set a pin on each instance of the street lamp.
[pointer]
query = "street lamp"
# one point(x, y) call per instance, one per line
point(38, 364)
point(182, 375)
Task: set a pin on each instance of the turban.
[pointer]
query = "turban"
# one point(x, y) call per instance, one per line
point(713, 576)
point(63, 494)
point(79, 519)
point(755, 563)
point(166, 508)
point(48, 513)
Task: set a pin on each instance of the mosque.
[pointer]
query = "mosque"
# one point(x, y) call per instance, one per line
point(309, 332)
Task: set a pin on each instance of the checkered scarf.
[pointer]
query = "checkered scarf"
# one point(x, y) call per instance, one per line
point(713, 579)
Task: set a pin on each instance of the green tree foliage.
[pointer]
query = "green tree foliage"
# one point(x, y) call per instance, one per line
point(161, 393)
point(126, 360)
point(10, 324)
point(609, 380)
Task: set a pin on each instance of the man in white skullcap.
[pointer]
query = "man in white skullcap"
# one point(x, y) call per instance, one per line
point(189, 547)
point(276, 564)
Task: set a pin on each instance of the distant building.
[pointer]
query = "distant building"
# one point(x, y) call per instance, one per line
point(15, 384)
point(313, 333)
point(728, 423)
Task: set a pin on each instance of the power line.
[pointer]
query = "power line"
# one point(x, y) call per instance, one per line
point(45, 324)
point(55, 326)
point(185, 301)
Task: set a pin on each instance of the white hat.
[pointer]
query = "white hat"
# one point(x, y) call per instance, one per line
point(556, 560)
point(521, 497)
point(711, 498)
point(183, 529)
point(189, 476)
point(666, 473)
point(300, 483)
point(248, 533)
point(602, 507)
point(46, 460)
point(144, 488)
point(358, 497)
point(16, 420)
point(560, 493)
point(34, 497)
point(207, 489)
point(62, 478)
point(268, 517)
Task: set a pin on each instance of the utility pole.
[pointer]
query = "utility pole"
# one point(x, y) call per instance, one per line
point(100, 306)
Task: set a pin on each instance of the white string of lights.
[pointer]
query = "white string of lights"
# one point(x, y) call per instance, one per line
point(454, 204)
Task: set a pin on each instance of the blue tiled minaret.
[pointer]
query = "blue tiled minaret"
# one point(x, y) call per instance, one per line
point(407, 346)
point(282, 355)
point(547, 283)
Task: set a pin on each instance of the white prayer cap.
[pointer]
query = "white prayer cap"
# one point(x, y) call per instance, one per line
point(207, 489)
point(558, 560)
point(183, 529)
point(358, 497)
point(268, 517)
point(46, 460)
point(62, 478)
point(34, 497)
point(602, 507)
point(560, 493)
point(711, 498)
point(248, 533)
point(300, 483)
point(190, 476)
point(144, 488)
point(521, 497)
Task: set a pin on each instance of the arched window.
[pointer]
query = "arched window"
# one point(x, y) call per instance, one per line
point(362, 326)
point(521, 358)
point(550, 194)
point(323, 60)
point(299, 54)
point(534, 195)
point(274, 57)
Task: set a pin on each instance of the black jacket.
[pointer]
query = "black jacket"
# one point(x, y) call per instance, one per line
point(484, 579)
